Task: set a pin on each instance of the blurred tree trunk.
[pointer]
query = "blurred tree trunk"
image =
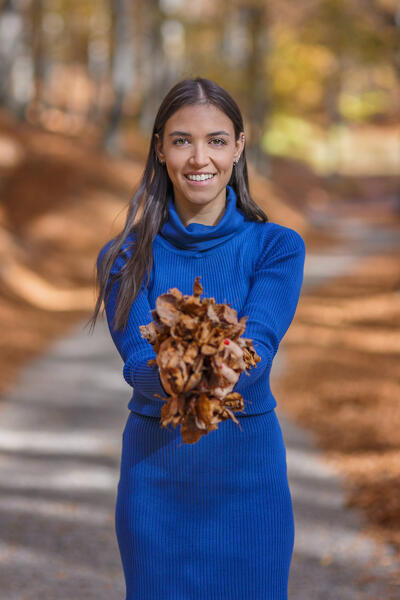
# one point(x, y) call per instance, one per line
point(153, 64)
point(10, 40)
point(255, 15)
point(98, 60)
point(123, 69)
point(37, 49)
point(396, 19)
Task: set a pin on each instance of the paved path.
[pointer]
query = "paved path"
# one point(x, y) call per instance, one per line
point(60, 443)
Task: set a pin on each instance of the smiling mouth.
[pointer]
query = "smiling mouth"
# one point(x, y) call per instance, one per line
point(203, 177)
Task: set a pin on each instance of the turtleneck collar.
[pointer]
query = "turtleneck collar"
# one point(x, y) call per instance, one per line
point(202, 237)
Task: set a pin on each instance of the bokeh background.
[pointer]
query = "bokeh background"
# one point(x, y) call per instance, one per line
point(318, 84)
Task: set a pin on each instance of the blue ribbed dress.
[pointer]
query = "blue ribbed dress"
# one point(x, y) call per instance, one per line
point(212, 519)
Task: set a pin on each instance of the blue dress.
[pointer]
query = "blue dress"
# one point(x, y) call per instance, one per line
point(212, 519)
point(207, 520)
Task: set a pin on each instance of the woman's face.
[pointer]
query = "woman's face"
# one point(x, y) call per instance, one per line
point(199, 139)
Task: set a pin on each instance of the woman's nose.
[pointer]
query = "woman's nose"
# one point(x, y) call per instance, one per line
point(199, 155)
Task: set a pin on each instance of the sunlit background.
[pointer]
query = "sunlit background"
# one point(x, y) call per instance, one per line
point(316, 79)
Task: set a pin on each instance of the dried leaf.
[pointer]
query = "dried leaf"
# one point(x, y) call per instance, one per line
point(200, 357)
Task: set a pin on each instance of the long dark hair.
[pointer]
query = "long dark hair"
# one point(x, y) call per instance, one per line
point(151, 198)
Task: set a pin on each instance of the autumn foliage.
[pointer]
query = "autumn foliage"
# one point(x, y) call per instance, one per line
point(200, 356)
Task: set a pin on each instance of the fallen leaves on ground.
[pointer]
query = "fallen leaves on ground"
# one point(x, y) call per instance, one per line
point(346, 388)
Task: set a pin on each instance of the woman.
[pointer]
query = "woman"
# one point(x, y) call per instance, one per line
point(212, 519)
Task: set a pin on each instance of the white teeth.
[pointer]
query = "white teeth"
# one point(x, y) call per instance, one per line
point(199, 177)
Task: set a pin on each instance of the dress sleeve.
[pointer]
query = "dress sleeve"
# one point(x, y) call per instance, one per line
point(272, 300)
point(134, 350)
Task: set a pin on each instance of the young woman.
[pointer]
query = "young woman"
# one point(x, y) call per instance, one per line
point(212, 519)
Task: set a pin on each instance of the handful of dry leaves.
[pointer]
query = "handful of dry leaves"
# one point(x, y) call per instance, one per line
point(200, 356)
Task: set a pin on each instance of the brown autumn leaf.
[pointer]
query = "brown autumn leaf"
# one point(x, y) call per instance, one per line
point(200, 356)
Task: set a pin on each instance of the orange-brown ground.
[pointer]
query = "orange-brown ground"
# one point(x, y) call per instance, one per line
point(343, 382)
point(61, 200)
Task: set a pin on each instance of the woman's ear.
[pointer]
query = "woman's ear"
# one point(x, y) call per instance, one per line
point(158, 148)
point(239, 146)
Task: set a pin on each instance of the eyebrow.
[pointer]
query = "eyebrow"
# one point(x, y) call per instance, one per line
point(207, 135)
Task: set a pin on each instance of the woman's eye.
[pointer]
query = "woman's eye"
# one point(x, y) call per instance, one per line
point(220, 141)
point(179, 140)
